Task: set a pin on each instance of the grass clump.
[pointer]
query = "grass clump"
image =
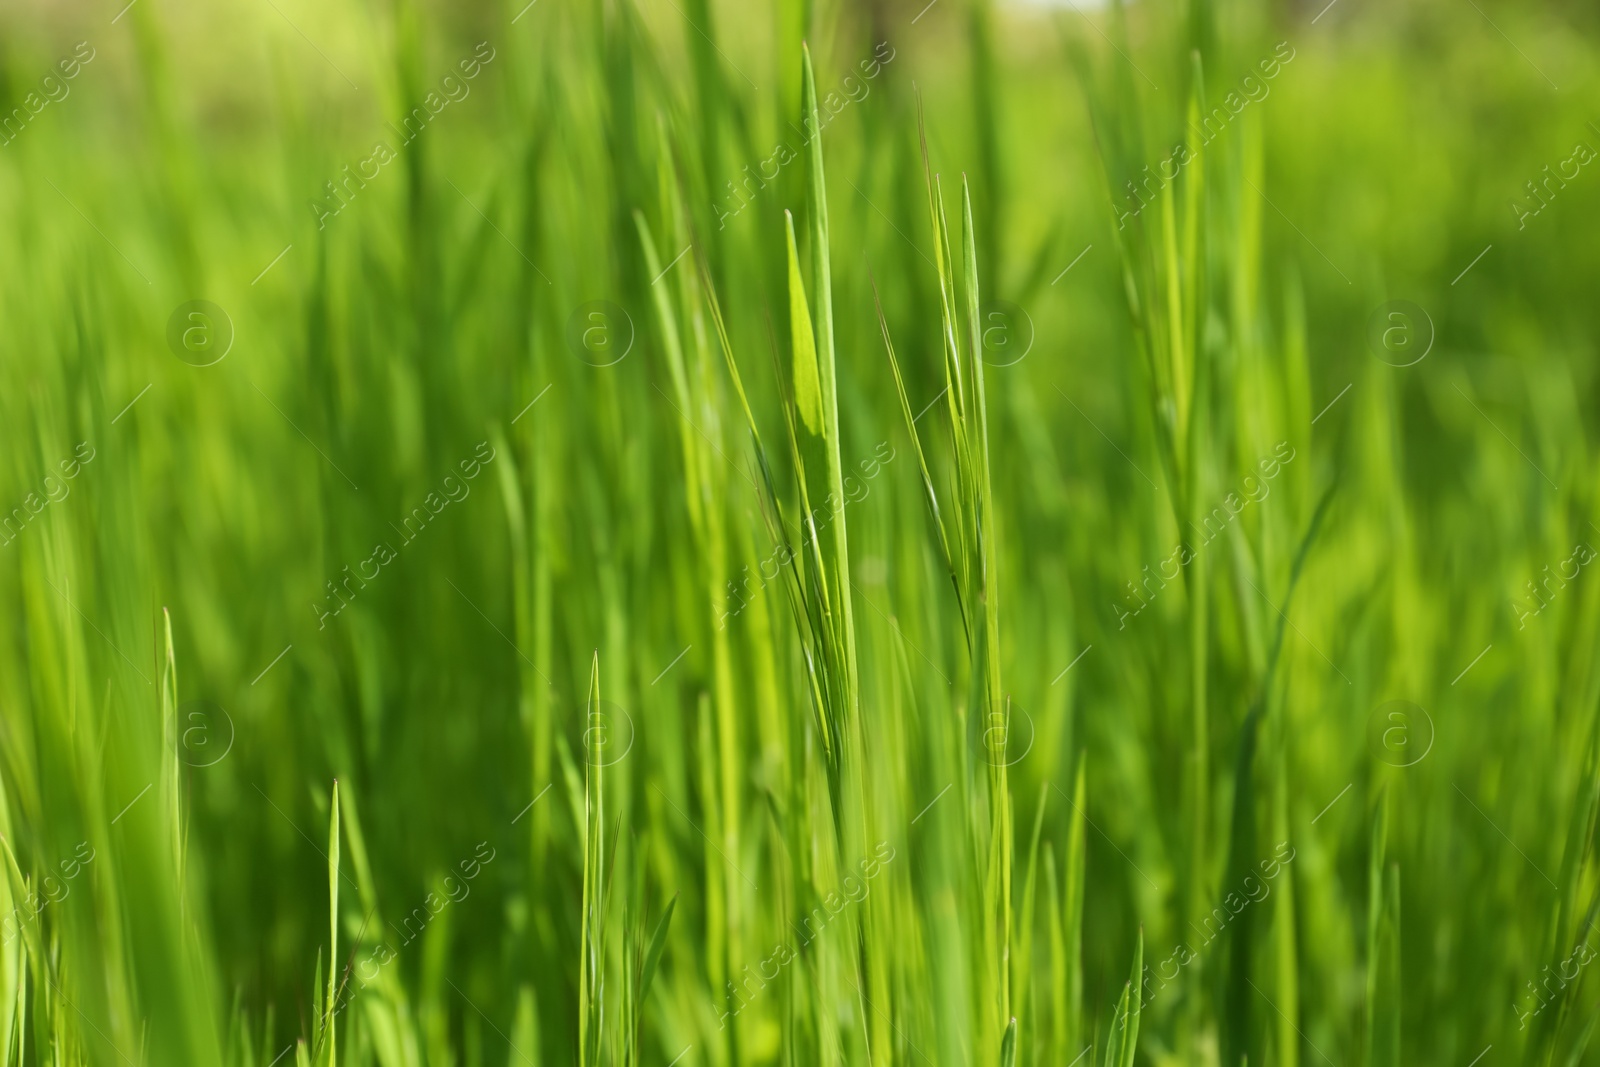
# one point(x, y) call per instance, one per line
point(816, 680)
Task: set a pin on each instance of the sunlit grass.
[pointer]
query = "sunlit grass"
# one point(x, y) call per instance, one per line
point(810, 679)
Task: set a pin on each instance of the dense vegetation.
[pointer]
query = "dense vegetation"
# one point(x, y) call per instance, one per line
point(617, 532)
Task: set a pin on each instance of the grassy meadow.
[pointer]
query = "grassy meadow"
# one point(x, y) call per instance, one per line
point(680, 532)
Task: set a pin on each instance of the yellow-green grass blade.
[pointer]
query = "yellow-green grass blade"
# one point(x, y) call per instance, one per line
point(932, 497)
point(807, 387)
point(1383, 990)
point(326, 1044)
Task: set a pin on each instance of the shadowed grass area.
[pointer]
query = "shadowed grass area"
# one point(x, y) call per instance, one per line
point(693, 533)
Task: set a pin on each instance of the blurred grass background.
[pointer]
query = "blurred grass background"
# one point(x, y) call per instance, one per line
point(587, 682)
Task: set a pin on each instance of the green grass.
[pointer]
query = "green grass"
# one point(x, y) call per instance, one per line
point(578, 622)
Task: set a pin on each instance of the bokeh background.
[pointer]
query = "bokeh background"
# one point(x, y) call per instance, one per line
point(434, 480)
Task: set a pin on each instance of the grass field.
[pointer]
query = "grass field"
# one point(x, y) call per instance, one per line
point(674, 532)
